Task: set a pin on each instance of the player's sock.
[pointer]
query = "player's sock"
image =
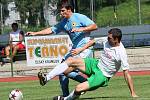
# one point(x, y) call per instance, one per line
point(59, 69)
point(72, 96)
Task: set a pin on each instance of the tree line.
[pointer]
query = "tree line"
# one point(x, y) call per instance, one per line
point(33, 10)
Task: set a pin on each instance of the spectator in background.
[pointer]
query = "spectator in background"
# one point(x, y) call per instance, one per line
point(17, 37)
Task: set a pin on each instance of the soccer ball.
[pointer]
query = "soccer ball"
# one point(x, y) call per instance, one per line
point(16, 94)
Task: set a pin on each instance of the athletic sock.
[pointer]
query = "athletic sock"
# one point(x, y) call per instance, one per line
point(59, 69)
point(72, 96)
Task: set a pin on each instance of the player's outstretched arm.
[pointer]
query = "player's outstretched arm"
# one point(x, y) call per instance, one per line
point(129, 81)
point(78, 50)
point(42, 32)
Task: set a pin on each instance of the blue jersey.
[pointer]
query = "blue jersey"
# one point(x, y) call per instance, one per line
point(79, 39)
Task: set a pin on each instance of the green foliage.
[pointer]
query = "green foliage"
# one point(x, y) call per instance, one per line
point(127, 14)
point(145, 11)
point(33, 9)
point(4, 11)
point(126, 11)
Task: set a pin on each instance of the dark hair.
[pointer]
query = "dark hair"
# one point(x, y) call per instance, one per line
point(116, 33)
point(67, 6)
point(22, 33)
point(14, 24)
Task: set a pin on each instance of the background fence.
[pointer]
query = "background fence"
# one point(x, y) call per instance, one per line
point(139, 58)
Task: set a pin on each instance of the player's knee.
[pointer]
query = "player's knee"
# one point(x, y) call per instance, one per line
point(16, 48)
point(82, 87)
point(71, 60)
point(7, 48)
point(79, 88)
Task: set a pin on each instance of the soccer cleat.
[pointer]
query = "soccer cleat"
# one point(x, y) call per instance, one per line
point(42, 78)
point(58, 98)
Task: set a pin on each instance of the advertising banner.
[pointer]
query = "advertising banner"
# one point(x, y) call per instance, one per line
point(46, 50)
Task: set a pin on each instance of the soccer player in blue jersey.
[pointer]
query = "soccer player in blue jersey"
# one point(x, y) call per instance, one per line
point(78, 27)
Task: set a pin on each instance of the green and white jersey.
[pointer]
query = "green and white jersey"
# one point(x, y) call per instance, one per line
point(112, 58)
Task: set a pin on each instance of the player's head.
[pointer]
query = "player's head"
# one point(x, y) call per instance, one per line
point(14, 26)
point(114, 36)
point(21, 33)
point(66, 10)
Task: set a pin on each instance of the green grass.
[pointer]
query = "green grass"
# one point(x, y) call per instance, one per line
point(127, 14)
point(117, 90)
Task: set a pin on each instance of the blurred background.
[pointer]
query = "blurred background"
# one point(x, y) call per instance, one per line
point(37, 14)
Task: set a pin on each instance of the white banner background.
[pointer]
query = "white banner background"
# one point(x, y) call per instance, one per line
point(46, 50)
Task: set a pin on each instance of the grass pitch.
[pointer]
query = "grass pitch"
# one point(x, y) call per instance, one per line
point(117, 89)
